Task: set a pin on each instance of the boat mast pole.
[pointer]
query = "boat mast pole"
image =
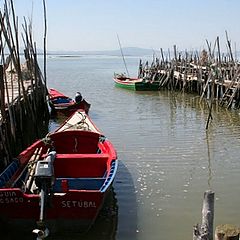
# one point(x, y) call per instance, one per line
point(122, 55)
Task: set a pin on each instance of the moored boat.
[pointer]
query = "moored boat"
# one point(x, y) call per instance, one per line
point(60, 181)
point(137, 84)
point(62, 103)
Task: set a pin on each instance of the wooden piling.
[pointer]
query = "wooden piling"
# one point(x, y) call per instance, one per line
point(23, 102)
point(205, 230)
point(227, 232)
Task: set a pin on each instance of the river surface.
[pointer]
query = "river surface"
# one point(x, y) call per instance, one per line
point(167, 158)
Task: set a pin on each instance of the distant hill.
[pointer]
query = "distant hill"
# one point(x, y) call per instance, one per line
point(128, 51)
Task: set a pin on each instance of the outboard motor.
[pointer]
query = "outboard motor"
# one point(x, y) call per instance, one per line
point(78, 97)
point(44, 180)
point(44, 174)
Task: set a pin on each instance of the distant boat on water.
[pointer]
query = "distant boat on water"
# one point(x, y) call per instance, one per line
point(62, 103)
point(137, 84)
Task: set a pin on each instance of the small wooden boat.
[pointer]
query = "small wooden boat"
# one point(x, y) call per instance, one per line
point(61, 103)
point(137, 84)
point(59, 181)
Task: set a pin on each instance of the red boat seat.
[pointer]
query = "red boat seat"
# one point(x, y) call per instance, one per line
point(72, 141)
point(80, 165)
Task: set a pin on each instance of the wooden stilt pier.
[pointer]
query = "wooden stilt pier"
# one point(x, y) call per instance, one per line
point(23, 103)
point(210, 74)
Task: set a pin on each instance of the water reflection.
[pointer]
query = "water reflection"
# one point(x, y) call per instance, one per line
point(127, 202)
point(168, 161)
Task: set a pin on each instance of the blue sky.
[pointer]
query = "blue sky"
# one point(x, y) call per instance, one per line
point(94, 24)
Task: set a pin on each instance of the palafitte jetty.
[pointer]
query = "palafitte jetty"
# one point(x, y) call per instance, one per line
point(209, 73)
point(23, 103)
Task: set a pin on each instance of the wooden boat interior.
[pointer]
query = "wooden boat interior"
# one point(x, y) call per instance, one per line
point(79, 163)
point(80, 172)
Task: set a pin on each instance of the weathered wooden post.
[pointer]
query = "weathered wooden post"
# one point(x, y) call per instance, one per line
point(2, 94)
point(205, 230)
point(227, 232)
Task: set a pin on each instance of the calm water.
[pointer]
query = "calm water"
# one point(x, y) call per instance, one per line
point(167, 159)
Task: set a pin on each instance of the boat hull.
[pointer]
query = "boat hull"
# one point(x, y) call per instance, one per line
point(78, 208)
point(76, 166)
point(69, 108)
point(136, 84)
point(105, 224)
point(146, 86)
point(61, 103)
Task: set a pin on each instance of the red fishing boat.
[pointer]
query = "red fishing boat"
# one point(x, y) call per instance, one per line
point(59, 181)
point(61, 103)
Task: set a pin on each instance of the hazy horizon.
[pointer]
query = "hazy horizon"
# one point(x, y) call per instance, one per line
point(151, 24)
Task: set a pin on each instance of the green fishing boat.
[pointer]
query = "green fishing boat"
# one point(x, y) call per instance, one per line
point(136, 84)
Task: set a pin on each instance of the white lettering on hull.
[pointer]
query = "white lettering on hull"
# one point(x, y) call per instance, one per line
point(7, 194)
point(78, 204)
point(10, 197)
point(11, 200)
